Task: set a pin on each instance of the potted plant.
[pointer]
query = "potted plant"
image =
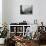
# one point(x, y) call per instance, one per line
point(3, 34)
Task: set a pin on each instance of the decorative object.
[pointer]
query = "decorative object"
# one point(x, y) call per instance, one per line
point(3, 34)
point(28, 33)
point(26, 9)
point(2, 40)
point(35, 21)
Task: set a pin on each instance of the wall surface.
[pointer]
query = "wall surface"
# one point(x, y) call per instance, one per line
point(4, 11)
point(12, 14)
point(0, 13)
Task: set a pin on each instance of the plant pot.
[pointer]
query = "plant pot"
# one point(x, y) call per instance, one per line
point(2, 40)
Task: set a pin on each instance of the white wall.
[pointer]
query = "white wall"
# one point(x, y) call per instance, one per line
point(0, 13)
point(4, 11)
point(12, 11)
point(16, 9)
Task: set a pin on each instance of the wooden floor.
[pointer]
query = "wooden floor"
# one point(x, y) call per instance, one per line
point(40, 45)
point(1, 45)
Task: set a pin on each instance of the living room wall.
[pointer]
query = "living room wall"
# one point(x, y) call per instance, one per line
point(11, 11)
point(0, 13)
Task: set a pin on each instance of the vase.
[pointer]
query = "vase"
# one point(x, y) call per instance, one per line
point(2, 40)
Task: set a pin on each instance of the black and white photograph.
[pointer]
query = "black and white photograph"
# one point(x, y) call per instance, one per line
point(26, 10)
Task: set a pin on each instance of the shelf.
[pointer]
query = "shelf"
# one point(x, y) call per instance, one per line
point(16, 32)
point(12, 32)
point(19, 27)
point(19, 32)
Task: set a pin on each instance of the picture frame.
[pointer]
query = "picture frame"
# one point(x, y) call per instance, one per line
point(25, 9)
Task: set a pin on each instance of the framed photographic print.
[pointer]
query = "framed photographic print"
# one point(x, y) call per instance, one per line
point(25, 9)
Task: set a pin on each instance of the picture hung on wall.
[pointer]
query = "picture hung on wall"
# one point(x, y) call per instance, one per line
point(25, 9)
